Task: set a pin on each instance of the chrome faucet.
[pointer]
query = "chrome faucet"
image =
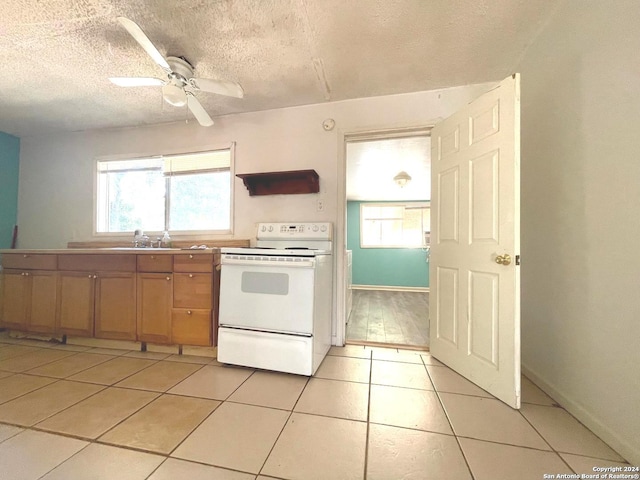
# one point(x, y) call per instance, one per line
point(140, 240)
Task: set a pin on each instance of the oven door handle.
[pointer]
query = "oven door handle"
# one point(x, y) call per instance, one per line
point(306, 263)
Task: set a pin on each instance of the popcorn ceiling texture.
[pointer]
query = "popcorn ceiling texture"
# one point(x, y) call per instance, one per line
point(56, 55)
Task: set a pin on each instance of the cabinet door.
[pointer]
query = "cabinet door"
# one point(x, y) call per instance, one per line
point(193, 262)
point(115, 308)
point(191, 327)
point(76, 292)
point(43, 297)
point(15, 299)
point(192, 290)
point(155, 298)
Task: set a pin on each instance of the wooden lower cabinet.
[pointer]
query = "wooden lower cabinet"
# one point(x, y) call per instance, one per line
point(155, 300)
point(99, 304)
point(15, 300)
point(115, 306)
point(191, 327)
point(29, 300)
point(192, 320)
point(97, 296)
point(43, 299)
point(76, 291)
point(192, 290)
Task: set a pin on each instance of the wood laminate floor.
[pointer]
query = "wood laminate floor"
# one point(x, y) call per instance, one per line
point(389, 317)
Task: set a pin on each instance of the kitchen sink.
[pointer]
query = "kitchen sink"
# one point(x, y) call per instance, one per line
point(137, 249)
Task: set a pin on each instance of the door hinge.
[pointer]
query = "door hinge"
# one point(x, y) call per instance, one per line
point(517, 259)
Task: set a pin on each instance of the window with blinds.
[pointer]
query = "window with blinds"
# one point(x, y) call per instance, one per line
point(395, 225)
point(184, 193)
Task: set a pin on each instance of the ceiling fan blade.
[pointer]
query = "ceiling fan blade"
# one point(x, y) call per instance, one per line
point(198, 110)
point(221, 87)
point(137, 81)
point(140, 37)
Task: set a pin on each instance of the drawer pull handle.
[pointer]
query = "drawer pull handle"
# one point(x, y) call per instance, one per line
point(153, 257)
point(190, 256)
point(168, 278)
point(89, 275)
point(188, 312)
point(25, 256)
point(191, 275)
point(95, 276)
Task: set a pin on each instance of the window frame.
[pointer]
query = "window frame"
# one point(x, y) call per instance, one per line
point(414, 204)
point(165, 153)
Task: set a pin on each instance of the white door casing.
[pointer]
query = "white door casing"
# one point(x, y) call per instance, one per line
point(475, 220)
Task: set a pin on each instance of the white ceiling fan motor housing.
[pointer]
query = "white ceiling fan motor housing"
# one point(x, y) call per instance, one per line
point(173, 92)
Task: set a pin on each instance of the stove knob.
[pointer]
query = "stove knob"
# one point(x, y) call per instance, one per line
point(315, 228)
point(323, 228)
point(264, 229)
point(271, 228)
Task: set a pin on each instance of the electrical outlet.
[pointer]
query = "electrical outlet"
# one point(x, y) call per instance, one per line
point(320, 206)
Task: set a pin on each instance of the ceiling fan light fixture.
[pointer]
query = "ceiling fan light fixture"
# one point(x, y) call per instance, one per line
point(402, 178)
point(174, 95)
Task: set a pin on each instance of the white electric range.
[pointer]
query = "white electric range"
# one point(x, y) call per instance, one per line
point(276, 299)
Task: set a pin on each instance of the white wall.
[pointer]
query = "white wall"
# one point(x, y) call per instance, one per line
point(580, 227)
point(55, 203)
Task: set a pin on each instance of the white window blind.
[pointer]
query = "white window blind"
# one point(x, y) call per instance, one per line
point(215, 161)
point(151, 163)
point(394, 225)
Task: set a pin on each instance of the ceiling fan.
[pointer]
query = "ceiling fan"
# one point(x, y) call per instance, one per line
point(178, 88)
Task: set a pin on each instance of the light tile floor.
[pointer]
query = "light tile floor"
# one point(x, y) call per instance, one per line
point(369, 413)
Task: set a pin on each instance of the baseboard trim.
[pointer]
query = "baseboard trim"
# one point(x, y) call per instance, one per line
point(399, 346)
point(390, 288)
point(630, 452)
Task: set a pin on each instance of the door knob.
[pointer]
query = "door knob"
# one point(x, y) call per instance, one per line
point(503, 259)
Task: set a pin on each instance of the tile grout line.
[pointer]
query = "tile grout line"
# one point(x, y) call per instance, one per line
point(203, 365)
point(366, 444)
point(152, 472)
point(98, 440)
point(545, 440)
point(283, 427)
point(558, 406)
point(105, 387)
point(210, 413)
point(28, 372)
point(466, 461)
point(65, 460)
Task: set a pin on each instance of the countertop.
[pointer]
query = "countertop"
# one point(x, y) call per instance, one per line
point(111, 251)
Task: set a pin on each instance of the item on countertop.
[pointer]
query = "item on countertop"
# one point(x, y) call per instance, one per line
point(166, 240)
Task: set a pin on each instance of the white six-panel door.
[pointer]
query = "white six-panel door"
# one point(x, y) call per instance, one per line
point(475, 244)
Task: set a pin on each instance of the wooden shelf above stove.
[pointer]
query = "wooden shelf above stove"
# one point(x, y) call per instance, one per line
point(287, 183)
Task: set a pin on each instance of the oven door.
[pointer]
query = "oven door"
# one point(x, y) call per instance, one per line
point(273, 294)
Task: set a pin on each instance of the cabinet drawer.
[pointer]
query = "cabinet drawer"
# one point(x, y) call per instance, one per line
point(30, 261)
point(155, 263)
point(192, 290)
point(191, 327)
point(193, 262)
point(97, 263)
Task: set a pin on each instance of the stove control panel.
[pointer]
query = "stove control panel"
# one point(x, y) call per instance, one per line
point(301, 231)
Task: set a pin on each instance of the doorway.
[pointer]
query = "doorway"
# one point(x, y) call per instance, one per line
point(387, 218)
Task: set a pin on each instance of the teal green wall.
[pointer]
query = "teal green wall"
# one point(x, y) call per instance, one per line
point(391, 267)
point(9, 159)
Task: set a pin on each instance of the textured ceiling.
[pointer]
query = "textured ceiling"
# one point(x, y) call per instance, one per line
point(56, 55)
